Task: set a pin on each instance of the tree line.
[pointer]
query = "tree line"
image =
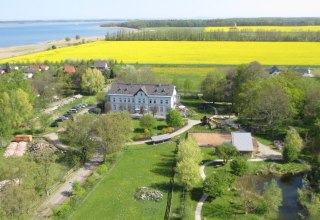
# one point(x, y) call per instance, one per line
point(218, 22)
point(266, 102)
point(218, 35)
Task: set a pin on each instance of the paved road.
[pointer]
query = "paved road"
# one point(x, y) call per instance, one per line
point(266, 152)
point(61, 103)
point(57, 198)
point(191, 123)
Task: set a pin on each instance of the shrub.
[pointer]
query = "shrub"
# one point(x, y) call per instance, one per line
point(289, 154)
point(218, 183)
point(101, 169)
point(174, 118)
point(239, 166)
point(148, 122)
point(167, 130)
point(53, 47)
point(91, 181)
point(62, 212)
point(78, 190)
point(67, 39)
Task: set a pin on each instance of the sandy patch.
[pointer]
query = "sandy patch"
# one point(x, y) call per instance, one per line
point(211, 139)
point(8, 52)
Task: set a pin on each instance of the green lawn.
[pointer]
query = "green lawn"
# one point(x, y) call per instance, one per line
point(139, 130)
point(2, 149)
point(113, 197)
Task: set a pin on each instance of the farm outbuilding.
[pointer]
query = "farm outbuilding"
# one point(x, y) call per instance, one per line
point(243, 142)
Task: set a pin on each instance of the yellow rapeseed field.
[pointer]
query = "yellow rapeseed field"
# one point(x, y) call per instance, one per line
point(183, 70)
point(185, 52)
point(265, 28)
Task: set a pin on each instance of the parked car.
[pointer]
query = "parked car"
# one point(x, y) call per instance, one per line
point(54, 124)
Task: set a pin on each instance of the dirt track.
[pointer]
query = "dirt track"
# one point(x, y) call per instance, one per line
point(211, 139)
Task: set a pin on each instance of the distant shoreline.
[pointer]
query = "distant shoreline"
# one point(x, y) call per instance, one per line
point(14, 51)
point(8, 52)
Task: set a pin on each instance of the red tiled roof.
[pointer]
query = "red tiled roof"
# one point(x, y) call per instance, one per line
point(34, 67)
point(43, 67)
point(69, 69)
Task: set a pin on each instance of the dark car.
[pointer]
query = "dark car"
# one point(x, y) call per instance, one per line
point(54, 124)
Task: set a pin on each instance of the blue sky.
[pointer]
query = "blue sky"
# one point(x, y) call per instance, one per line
point(159, 9)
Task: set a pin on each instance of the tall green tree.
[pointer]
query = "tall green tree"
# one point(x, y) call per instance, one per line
point(212, 86)
point(80, 135)
point(16, 201)
point(92, 81)
point(174, 118)
point(189, 149)
point(188, 174)
point(45, 158)
point(113, 129)
point(226, 152)
point(292, 145)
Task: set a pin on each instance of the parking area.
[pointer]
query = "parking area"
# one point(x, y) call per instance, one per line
point(69, 114)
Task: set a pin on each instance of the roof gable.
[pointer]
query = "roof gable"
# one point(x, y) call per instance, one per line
point(100, 64)
point(69, 69)
point(148, 89)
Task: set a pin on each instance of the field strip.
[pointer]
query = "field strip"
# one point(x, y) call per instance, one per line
point(185, 52)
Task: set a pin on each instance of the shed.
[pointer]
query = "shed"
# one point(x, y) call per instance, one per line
point(242, 141)
point(26, 138)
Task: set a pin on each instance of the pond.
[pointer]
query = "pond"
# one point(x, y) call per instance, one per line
point(289, 186)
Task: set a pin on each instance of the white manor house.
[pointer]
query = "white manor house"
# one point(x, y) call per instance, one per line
point(149, 97)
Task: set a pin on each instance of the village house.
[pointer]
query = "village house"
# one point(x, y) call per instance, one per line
point(303, 71)
point(100, 65)
point(142, 98)
point(69, 69)
point(7, 68)
point(28, 73)
point(274, 70)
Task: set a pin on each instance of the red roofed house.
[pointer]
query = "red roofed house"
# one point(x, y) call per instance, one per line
point(69, 69)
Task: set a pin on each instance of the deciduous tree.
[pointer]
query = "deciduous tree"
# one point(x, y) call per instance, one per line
point(79, 134)
point(239, 166)
point(188, 173)
point(174, 118)
point(226, 152)
point(148, 122)
point(92, 81)
point(113, 129)
point(218, 183)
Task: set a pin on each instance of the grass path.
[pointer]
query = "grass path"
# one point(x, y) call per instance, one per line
point(113, 197)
